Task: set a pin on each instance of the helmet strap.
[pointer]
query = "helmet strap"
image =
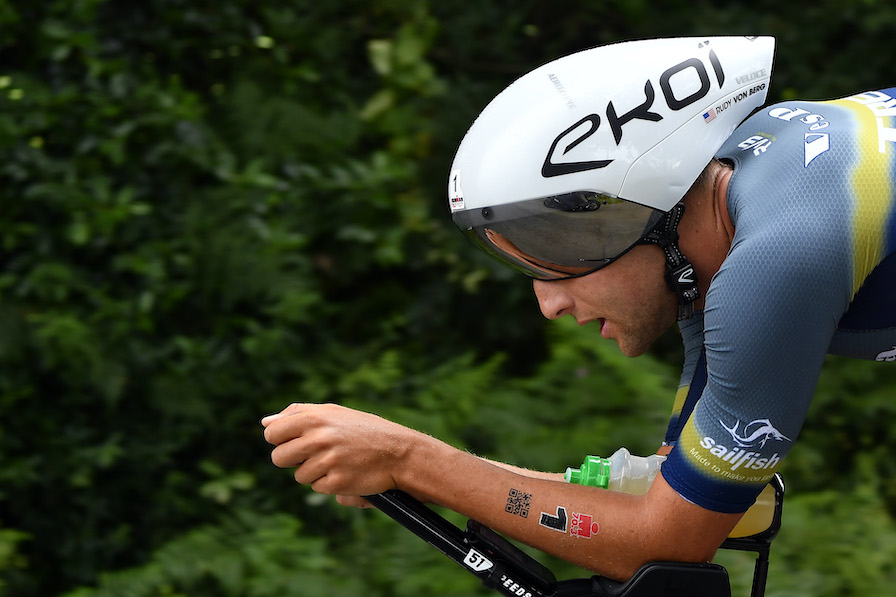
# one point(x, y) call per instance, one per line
point(680, 274)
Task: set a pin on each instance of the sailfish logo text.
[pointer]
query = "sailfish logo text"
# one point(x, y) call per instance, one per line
point(755, 434)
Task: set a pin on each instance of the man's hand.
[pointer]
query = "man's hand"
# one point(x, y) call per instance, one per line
point(337, 450)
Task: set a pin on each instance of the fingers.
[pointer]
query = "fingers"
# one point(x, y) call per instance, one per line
point(335, 450)
point(353, 501)
point(295, 420)
point(294, 408)
point(302, 440)
point(289, 454)
point(314, 472)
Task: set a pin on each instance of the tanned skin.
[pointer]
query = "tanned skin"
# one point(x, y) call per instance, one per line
point(349, 453)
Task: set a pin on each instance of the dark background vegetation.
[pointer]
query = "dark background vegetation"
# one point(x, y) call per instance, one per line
point(213, 209)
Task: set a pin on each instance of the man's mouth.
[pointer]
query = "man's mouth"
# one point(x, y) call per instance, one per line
point(600, 321)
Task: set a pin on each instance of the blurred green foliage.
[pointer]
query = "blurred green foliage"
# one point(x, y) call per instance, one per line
point(212, 209)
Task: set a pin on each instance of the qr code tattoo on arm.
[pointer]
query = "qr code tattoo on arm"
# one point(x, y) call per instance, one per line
point(518, 503)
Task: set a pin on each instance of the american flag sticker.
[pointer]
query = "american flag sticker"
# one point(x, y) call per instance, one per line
point(709, 116)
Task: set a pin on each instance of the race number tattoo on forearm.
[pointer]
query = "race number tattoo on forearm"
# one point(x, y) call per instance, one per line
point(582, 526)
point(555, 522)
point(518, 503)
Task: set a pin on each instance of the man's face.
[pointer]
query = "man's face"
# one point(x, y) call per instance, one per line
point(629, 298)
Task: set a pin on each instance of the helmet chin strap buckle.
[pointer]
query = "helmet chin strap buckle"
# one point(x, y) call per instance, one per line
point(680, 274)
point(683, 282)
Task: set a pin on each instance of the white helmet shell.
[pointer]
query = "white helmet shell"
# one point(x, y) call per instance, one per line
point(635, 120)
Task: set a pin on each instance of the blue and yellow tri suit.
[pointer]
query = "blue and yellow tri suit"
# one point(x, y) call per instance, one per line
point(811, 270)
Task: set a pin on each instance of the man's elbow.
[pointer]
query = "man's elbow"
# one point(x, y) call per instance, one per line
point(665, 549)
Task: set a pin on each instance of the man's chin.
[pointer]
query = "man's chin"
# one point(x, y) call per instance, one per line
point(631, 349)
point(633, 353)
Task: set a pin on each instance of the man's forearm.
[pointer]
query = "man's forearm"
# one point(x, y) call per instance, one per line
point(526, 472)
point(600, 530)
point(348, 453)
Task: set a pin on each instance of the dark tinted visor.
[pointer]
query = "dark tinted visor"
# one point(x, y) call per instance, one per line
point(559, 237)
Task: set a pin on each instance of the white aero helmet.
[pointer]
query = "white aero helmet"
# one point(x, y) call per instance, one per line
point(584, 157)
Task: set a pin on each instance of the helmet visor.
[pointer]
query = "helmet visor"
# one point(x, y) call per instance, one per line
point(558, 237)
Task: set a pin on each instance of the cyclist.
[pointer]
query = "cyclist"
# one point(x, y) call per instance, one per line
point(626, 181)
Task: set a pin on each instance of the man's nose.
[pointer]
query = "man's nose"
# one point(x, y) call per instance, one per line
point(552, 300)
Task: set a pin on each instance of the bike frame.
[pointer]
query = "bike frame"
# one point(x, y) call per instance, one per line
point(502, 566)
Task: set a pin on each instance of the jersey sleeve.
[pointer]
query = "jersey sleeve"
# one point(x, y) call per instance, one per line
point(768, 324)
point(693, 376)
point(771, 312)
